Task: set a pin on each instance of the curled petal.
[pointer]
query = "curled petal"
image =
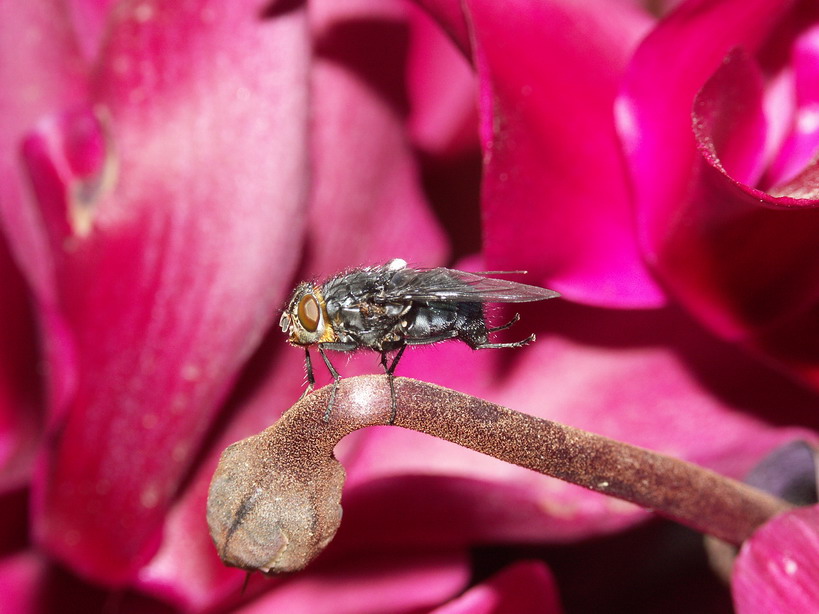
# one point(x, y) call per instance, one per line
point(738, 253)
point(728, 118)
point(654, 105)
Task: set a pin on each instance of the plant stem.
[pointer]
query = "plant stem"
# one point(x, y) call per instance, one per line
point(274, 500)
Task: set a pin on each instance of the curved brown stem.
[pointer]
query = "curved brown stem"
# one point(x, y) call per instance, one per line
point(274, 502)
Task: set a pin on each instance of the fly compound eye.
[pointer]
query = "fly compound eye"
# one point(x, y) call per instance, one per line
point(309, 313)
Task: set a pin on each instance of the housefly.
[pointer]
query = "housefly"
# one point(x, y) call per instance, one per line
point(389, 307)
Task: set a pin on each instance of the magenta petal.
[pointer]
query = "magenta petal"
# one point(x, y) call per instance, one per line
point(556, 200)
point(37, 79)
point(729, 123)
point(359, 213)
point(802, 139)
point(88, 18)
point(442, 90)
point(743, 260)
point(21, 419)
point(723, 256)
point(523, 588)
point(450, 14)
point(367, 205)
point(371, 584)
point(654, 106)
point(177, 267)
point(20, 582)
point(777, 570)
point(186, 569)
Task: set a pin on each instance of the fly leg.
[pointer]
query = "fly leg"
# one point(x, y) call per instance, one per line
point(389, 371)
point(311, 379)
point(336, 377)
point(514, 344)
point(495, 329)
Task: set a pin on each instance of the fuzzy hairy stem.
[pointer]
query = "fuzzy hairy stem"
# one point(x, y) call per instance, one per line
point(274, 502)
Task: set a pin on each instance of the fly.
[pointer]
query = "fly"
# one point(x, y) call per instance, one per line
point(389, 307)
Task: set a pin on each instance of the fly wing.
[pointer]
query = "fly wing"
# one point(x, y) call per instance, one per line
point(451, 286)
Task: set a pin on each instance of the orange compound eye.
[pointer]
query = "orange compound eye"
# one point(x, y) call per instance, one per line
point(309, 313)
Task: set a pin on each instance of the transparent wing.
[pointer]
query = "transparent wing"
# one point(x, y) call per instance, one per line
point(449, 285)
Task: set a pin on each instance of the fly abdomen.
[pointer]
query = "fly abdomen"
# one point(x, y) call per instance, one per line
point(433, 322)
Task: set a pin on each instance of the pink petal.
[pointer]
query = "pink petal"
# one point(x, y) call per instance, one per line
point(21, 419)
point(186, 570)
point(720, 243)
point(555, 195)
point(802, 139)
point(32, 584)
point(442, 90)
point(366, 205)
point(525, 587)
point(450, 14)
point(169, 263)
point(654, 106)
point(88, 19)
point(729, 123)
point(373, 583)
point(654, 380)
point(37, 78)
point(359, 213)
point(777, 570)
point(20, 582)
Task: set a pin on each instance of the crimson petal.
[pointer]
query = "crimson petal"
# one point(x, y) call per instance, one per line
point(21, 419)
point(556, 200)
point(526, 587)
point(366, 205)
point(171, 245)
point(741, 258)
point(371, 584)
point(801, 132)
point(777, 570)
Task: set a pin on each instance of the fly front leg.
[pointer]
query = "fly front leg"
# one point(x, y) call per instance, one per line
point(311, 379)
point(389, 371)
point(336, 377)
